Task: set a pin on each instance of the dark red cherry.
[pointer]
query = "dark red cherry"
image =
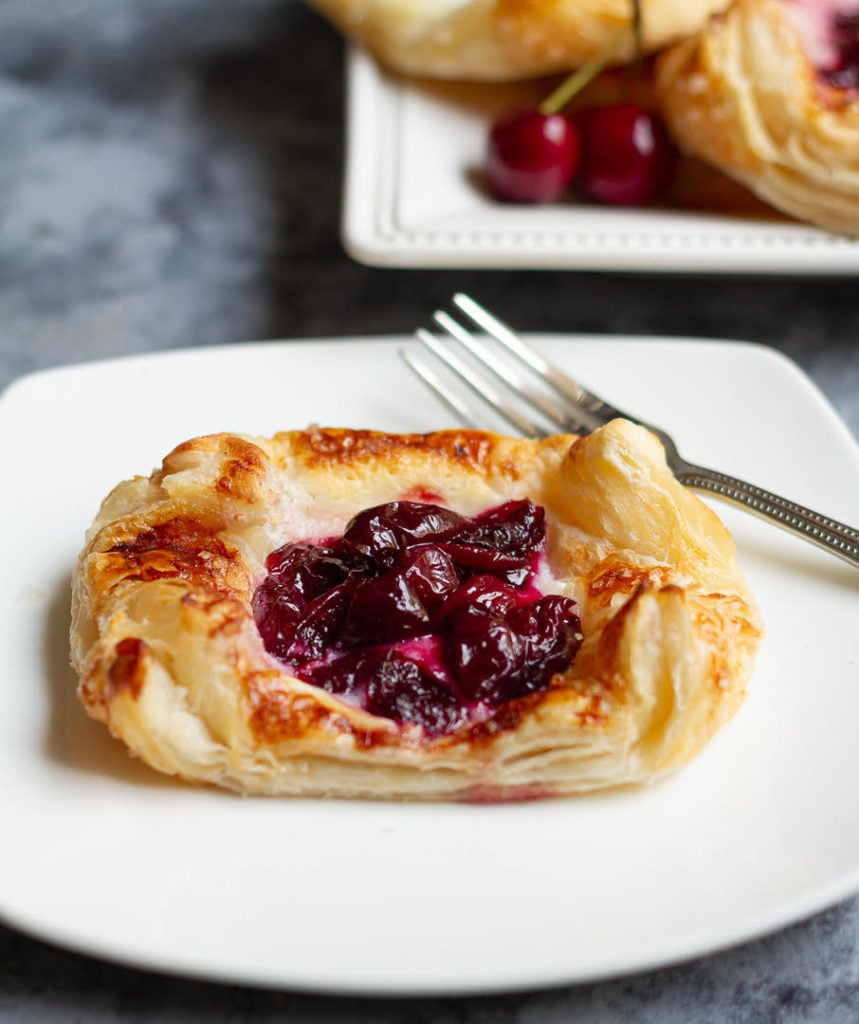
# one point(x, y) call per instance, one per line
point(431, 575)
point(380, 533)
point(321, 625)
point(516, 527)
point(483, 591)
point(481, 650)
point(389, 684)
point(500, 541)
point(399, 603)
point(552, 633)
point(627, 159)
point(276, 612)
point(384, 609)
point(310, 569)
point(401, 689)
point(531, 157)
point(345, 674)
point(478, 558)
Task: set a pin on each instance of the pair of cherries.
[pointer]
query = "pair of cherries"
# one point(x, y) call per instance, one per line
point(618, 154)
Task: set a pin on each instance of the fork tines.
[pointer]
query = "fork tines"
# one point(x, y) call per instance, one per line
point(509, 376)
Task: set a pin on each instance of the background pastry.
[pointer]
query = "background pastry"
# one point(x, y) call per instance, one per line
point(505, 40)
point(767, 93)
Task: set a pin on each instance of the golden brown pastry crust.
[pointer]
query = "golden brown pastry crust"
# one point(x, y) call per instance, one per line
point(743, 96)
point(170, 658)
point(505, 40)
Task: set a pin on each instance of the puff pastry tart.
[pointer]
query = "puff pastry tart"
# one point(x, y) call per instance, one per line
point(451, 615)
point(769, 94)
point(504, 40)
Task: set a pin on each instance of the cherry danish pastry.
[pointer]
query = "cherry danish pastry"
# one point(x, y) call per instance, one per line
point(506, 40)
point(769, 94)
point(449, 615)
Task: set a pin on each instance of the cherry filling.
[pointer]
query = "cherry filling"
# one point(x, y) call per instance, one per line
point(829, 30)
point(844, 73)
point(420, 614)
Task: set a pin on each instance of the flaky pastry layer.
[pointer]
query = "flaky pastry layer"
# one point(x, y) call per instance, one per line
point(743, 96)
point(170, 658)
point(505, 40)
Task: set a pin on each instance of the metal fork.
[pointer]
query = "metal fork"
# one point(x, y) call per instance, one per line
point(559, 403)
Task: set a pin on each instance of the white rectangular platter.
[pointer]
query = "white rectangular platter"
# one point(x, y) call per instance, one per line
point(412, 199)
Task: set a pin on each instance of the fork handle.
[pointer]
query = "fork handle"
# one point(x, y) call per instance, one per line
point(826, 533)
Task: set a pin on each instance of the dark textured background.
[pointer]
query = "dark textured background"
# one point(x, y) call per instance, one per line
point(170, 176)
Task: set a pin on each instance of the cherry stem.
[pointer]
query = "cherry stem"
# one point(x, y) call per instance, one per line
point(574, 83)
point(637, 29)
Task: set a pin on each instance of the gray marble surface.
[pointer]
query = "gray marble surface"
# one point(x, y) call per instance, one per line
point(170, 177)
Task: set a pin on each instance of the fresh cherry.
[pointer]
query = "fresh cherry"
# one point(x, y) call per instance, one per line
point(627, 159)
point(531, 157)
point(617, 154)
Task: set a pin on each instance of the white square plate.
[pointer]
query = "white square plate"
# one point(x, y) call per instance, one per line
point(411, 199)
point(103, 855)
